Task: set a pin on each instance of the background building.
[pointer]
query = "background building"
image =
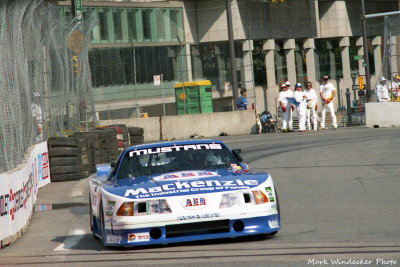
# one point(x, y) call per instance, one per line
point(294, 40)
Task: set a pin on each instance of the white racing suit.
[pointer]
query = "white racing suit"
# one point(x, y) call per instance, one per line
point(301, 109)
point(287, 110)
point(311, 98)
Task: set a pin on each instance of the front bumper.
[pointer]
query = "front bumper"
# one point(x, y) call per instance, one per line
point(192, 231)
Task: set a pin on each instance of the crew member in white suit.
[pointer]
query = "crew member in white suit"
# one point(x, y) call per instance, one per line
point(286, 108)
point(312, 99)
point(300, 98)
point(327, 92)
point(292, 106)
point(382, 90)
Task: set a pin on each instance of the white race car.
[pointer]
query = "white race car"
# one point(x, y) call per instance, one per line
point(180, 191)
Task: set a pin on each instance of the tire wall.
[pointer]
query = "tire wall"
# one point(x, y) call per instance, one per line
point(18, 193)
point(75, 157)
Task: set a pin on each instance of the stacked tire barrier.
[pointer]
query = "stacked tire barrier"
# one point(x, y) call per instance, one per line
point(108, 145)
point(64, 159)
point(75, 157)
point(122, 135)
point(136, 135)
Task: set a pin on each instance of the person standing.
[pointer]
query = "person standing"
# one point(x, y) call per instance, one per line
point(292, 106)
point(242, 100)
point(382, 90)
point(311, 98)
point(37, 117)
point(300, 98)
point(286, 108)
point(327, 92)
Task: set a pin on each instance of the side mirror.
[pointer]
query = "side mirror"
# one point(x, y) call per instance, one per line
point(103, 169)
point(236, 152)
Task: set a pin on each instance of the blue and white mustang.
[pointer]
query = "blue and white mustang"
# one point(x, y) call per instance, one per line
point(180, 191)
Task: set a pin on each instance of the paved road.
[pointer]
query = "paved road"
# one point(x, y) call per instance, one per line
point(339, 197)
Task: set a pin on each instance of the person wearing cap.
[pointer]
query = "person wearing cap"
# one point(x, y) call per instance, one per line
point(300, 98)
point(395, 85)
point(311, 98)
point(286, 108)
point(382, 90)
point(292, 107)
point(327, 93)
point(241, 103)
point(37, 116)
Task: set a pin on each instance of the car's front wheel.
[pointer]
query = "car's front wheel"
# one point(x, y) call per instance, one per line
point(101, 219)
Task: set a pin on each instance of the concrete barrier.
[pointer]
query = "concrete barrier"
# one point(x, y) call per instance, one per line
point(185, 126)
point(208, 125)
point(382, 114)
point(151, 126)
point(18, 193)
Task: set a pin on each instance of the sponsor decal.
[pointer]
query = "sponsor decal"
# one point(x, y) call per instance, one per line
point(16, 200)
point(110, 208)
point(235, 166)
point(198, 216)
point(273, 224)
point(165, 149)
point(271, 199)
point(138, 237)
point(113, 239)
point(194, 203)
point(241, 171)
point(268, 189)
point(45, 166)
point(185, 175)
point(178, 187)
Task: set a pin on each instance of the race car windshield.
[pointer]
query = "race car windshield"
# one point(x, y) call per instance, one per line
point(166, 159)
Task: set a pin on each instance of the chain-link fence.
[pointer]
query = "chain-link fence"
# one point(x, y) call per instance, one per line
point(123, 73)
point(45, 85)
point(391, 55)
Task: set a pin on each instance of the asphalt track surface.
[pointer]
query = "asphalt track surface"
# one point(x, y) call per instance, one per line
point(339, 194)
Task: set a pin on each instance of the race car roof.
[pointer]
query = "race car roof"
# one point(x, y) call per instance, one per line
point(172, 143)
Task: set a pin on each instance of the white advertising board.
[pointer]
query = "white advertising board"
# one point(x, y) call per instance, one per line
point(18, 191)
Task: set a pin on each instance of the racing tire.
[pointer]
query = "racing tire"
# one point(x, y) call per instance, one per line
point(64, 169)
point(63, 151)
point(137, 140)
point(279, 213)
point(91, 217)
point(84, 174)
point(101, 220)
point(136, 131)
point(62, 142)
point(64, 161)
point(65, 177)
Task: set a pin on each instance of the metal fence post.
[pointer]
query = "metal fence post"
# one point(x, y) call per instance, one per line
point(349, 119)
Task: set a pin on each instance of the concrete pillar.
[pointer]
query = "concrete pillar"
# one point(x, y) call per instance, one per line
point(248, 48)
point(332, 61)
point(394, 57)
point(289, 45)
point(173, 55)
point(309, 46)
point(197, 66)
point(344, 44)
point(272, 91)
point(221, 67)
point(377, 46)
point(360, 52)
point(189, 63)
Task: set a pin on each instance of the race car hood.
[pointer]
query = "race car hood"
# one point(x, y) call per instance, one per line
point(186, 183)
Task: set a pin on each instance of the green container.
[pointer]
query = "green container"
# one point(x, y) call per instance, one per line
point(193, 97)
